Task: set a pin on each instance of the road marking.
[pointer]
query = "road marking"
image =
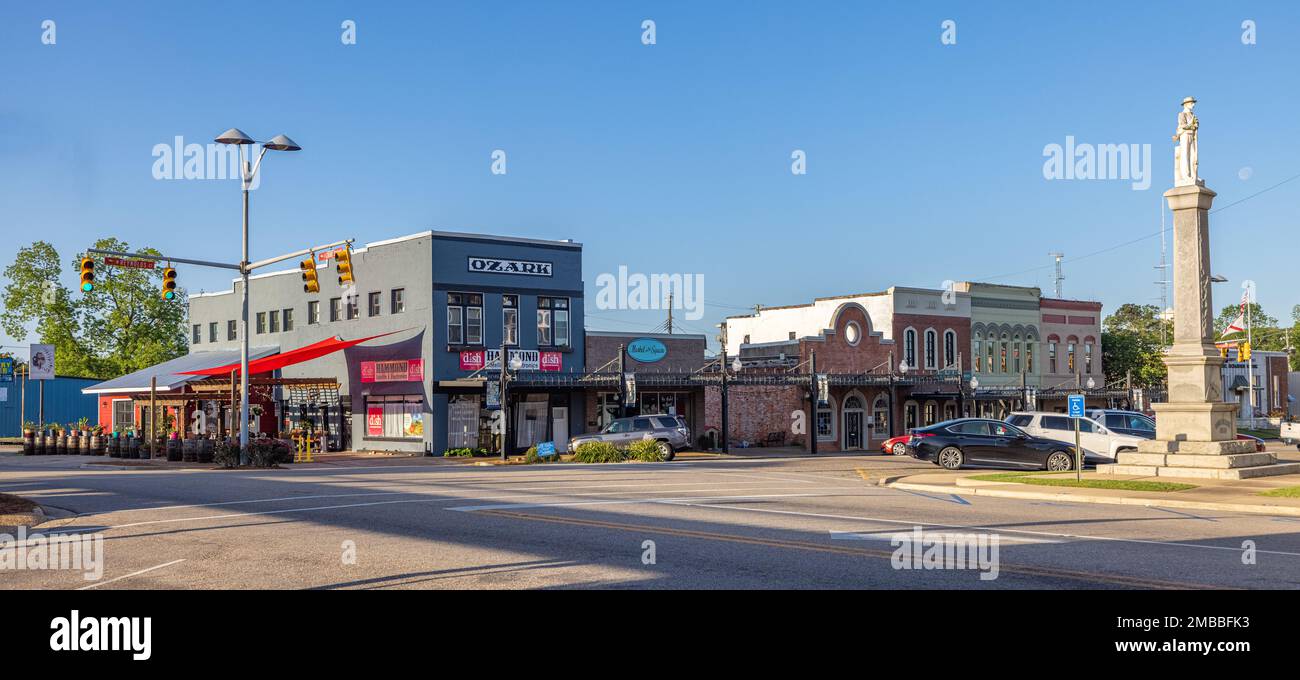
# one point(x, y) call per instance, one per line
point(982, 528)
point(953, 498)
point(944, 536)
point(134, 573)
point(1024, 570)
point(622, 501)
point(1184, 514)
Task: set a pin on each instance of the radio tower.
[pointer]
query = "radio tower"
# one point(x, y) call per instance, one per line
point(1059, 275)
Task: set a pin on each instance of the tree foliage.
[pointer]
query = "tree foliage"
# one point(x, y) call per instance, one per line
point(1132, 345)
point(122, 326)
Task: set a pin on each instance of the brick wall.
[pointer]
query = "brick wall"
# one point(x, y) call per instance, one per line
point(921, 322)
point(685, 354)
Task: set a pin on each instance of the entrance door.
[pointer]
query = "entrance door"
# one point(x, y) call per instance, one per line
point(560, 428)
point(852, 430)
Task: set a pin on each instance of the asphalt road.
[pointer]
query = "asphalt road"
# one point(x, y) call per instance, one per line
point(787, 523)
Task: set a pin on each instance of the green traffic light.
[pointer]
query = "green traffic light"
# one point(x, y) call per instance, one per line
point(87, 287)
point(169, 295)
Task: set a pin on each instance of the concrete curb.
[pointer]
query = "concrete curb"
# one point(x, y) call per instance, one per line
point(1275, 510)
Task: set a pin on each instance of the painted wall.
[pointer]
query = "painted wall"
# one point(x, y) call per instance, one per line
point(64, 403)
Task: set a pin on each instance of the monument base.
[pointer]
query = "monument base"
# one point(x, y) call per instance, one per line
point(1233, 459)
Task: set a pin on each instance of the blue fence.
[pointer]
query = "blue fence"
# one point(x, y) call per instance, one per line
point(64, 403)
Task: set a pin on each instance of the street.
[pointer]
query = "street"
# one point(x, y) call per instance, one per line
point(698, 523)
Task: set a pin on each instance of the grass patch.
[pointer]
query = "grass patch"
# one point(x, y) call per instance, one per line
point(1262, 434)
point(1284, 492)
point(1052, 480)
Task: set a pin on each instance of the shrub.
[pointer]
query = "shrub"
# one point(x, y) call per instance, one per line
point(530, 456)
point(226, 454)
point(265, 452)
point(461, 452)
point(645, 450)
point(598, 452)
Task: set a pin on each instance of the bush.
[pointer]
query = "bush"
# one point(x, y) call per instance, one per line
point(266, 453)
point(598, 452)
point(646, 451)
point(226, 454)
point(464, 452)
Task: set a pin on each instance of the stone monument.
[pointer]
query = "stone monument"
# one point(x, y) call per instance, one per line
point(1196, 431)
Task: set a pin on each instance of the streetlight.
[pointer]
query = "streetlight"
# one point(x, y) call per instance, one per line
point(515, 363)
point(1091, 383)
point(278, 143)
point(974, 385)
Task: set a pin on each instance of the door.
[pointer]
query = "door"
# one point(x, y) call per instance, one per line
point(852, 430)
point(1010, 446)
point(560, 428)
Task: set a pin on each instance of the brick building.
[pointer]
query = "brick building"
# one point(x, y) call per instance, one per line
point(661, 363)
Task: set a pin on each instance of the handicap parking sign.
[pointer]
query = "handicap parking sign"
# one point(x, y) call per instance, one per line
point(1076, 405)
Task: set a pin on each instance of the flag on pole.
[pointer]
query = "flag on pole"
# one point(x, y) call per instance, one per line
point(1239, 324)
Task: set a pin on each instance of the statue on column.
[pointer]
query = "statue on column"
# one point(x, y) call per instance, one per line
point(1185, 156)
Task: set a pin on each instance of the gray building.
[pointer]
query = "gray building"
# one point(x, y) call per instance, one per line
point(444, 303)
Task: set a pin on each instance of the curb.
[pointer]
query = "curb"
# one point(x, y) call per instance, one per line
point(1274, 510)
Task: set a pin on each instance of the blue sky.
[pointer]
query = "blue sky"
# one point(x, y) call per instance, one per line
point(925, 161)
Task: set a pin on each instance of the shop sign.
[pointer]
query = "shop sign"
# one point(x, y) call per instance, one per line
point(401, 370)
point(493, 400)
point(471, 360)
point(646, 350)
point(494, 265)
point(40, 364)
point(6, 369)
point(375, 421)
point(529, 360)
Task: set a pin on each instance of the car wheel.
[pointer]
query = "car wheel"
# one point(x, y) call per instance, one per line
point(900, 449)
point(1060, 461)
point(665, 450)
point(950, 458)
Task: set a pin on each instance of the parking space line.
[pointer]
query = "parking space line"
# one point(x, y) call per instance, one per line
point(134, 573)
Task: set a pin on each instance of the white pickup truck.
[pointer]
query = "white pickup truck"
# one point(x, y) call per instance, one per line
point(1291, 433)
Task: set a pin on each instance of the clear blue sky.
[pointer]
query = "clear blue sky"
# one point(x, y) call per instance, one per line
point(924, 160)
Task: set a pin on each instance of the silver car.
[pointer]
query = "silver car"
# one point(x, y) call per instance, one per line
point(671, 432)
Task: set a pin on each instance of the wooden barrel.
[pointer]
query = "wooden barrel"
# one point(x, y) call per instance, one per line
point(85, 444)
point(206, 447)
point(189, 450)
point(114, 447)
point(29, 443)
point(133, 448)
point(96, 443)
point(40, 444)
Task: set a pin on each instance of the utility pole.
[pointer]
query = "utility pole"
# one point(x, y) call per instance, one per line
point(722, 366)
point(1250, 363)
point(1059, 275)
point(813, 401)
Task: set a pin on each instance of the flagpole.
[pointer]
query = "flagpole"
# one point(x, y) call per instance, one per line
point(1250, 372)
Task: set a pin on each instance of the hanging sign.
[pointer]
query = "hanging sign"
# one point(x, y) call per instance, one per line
point(629, 383)
point(823, 389)
point(493, 399)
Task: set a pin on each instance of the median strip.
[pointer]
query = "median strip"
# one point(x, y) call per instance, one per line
point(1051, 480)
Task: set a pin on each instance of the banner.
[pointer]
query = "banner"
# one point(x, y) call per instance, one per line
point(375, 421)
point(529, 360)
point(41, 364)
point(401, 370)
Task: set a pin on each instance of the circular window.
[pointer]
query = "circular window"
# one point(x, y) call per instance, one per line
point(852, 332)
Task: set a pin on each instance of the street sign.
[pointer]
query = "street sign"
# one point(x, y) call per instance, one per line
point(493, 395)
point(129, 264)
point(545, 449)
point(1076, 405)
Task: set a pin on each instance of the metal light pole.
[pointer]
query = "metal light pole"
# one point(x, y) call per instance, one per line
point(278, 143)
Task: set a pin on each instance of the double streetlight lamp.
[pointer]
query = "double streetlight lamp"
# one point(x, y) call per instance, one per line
point(247, 173)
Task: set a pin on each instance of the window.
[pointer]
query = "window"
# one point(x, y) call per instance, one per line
point(198, 335)
point(212, 331)
point(989, 351)
point(1056, 423)
point(372, 304)
point(465, 318)
point(929, 348)
point(931, 413)
point(510, 319)
point(397, 301)
point(123, 414)
point(909, 347)
point(354, 310)
point(1069, 356)
point(275, 321)
point(261, 323)
point(553, 321)
point(395, 417)
point(950, 349)
point(1015, 354)
point(976, 355)
point(1051, 357)
point(232, 330)
point(1020, 420)
point(1002, 349)
point(336, 308)
point(978, 428)
point(288, 319)
point(313, 312)
point(1087, 357)
point(1029, 357)
point(825, 422)
point(852, 333)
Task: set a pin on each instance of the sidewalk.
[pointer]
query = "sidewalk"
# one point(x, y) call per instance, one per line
point(1215, 495)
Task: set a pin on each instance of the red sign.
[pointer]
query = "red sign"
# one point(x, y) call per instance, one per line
point(375, 421)
point(325, 255)
point(401, 370)
point(471, 360)
point(550, 361)
point(130, 264)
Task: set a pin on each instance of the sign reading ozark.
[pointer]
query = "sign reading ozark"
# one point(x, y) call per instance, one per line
point(494, 265)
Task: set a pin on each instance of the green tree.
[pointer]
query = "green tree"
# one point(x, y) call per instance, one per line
point(1132, 345)
point(122, 326)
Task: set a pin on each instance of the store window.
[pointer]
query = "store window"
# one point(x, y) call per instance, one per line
point(553, 322)
point(463, 421)
point(397, 302)
point(232, 330)
point(607, 408)
point(465, 318)
point(395, 417)
point(261, 322)
point(372, 304)
point(123, 414)
point(911, 414)
point(336, 309)
point(931, 413)
point(212, 331)
point(510, 319)
point(826, 422)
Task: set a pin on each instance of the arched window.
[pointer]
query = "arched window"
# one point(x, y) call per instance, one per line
point(909, 347)
point(1070, 346)
point(1087, 355)
point(880, 416)
point(852, 403)
point(931, 340)
point(950, 349)
point(931, 413)
point(1015, 353)
point(977, 355)
point(1002, 349)
point(911, 414)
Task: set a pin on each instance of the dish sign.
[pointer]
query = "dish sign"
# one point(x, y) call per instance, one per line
point(401, 370)
point(646, 350)
point(375, 421)
point(529, 360)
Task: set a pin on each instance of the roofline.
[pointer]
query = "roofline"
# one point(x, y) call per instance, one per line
point(667, 336)
point(566, 243)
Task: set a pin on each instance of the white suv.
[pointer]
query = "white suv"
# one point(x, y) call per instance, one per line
point(1095, 438)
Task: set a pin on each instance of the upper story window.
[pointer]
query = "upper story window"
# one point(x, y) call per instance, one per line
point(975, 353)
point(397, 301)
point(313, 312)
point(198, 334)
point(336, 309)
point(261, 322)
point(1051, 356)
point(930, 338)
point(288, 319)
point(232, 330)
point(510, 319)
point(949, 349)
point(212, 331)
point(465, 318)
point(553, 321)
point(1087, 357)
point(353, 307)
point(275, 321)
point(372, 304)
point(909, 347)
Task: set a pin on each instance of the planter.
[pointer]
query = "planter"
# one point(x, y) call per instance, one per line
point(114, 447)
point(60, 444)
point(85, 444)
point(29, 443)
point(132, 448)
point(74, 444)
point(206, 448)
point(96, 444)
point(39, 443)
point(180, 450)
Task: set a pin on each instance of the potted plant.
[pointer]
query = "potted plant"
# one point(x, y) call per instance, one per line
point(74, 439)
point(96, 440)
point(60, 440)
point(255, 419)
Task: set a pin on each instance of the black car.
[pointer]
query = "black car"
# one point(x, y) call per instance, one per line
point(979, 442)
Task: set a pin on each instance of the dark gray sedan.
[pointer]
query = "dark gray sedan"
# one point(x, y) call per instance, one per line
point(671, 432)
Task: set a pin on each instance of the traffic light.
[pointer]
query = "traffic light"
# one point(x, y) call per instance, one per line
point(1243, 352)
point(169, 284)
point(87, 274)
point(1223, 351)
point(344, 266)
point(309, 282)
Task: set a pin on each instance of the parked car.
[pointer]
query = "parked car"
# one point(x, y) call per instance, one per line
point(1125, 422)
point(982, 442)
point(1099, 443)
point(1291, 433)
point(671, 432)
point(1259, 443)
point(896, 445)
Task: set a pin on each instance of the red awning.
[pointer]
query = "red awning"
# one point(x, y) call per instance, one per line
point(293, 356)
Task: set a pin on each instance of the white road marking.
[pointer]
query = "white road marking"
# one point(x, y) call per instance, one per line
point(134, 573)
point(889, 534)
point(622, 501)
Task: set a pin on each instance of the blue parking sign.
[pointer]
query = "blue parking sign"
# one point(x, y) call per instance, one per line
point(1076, 405)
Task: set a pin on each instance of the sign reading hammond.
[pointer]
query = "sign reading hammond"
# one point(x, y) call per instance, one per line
point(495, 265)
point(646, 350)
